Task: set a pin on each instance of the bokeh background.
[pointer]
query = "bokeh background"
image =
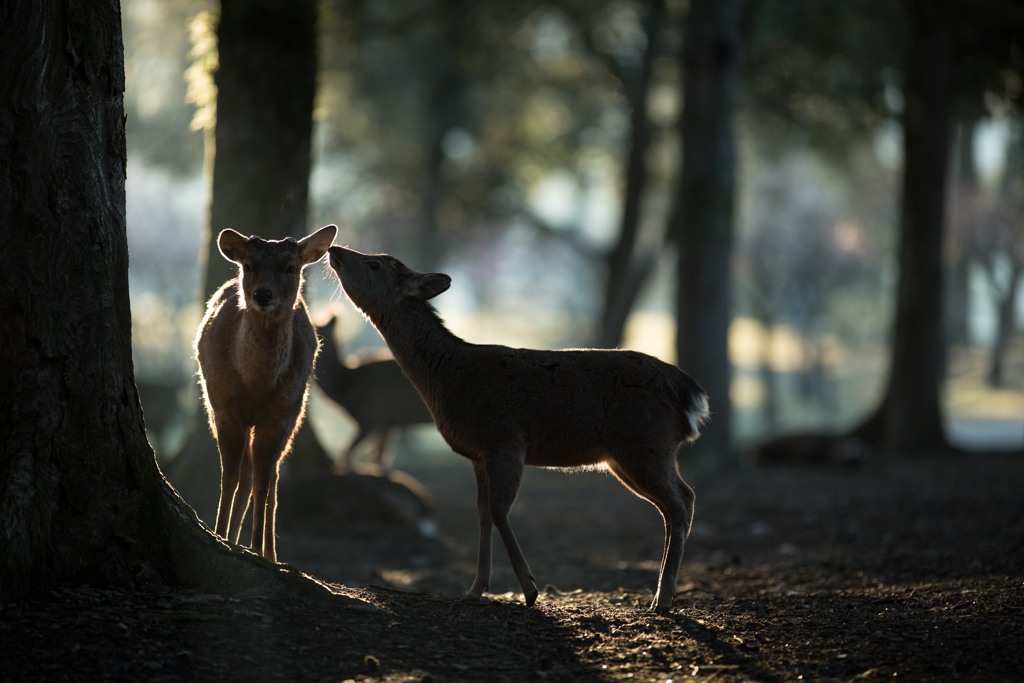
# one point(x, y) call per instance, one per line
point(492, 141)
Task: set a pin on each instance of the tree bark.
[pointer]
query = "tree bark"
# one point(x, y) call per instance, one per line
point(266, 84)
point(625, 273)
point(909, 420)
point(81, 497)
point(704, 217)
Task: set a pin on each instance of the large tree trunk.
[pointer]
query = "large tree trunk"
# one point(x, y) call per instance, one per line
point(266, 82)
point(81, 497)
point(909, 420)
point(625, 273)
point(704, 218)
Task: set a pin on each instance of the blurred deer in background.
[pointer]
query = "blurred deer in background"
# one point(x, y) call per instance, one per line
point(504, 408)
point(256, 349)
point(376, 393)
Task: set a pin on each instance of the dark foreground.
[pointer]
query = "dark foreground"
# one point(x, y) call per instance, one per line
point(914, 573)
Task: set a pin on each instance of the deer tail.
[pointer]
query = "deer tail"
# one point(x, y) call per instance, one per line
point(695, 406)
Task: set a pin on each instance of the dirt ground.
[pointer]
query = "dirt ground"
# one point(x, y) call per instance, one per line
point(914, 571)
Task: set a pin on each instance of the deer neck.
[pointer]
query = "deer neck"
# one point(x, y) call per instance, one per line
point(421, 344)
point(263, 347)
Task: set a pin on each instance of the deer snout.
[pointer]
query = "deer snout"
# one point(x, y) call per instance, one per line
point(262, 296)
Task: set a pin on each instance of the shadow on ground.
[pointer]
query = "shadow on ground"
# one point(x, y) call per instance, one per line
point(915, 570)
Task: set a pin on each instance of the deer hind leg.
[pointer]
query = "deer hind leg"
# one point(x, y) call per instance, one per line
point(382, 457)
point(657, 480)
point(483, 508)
point(347, 458)
point(267, 447)
point(231, 442)
point(504, 474)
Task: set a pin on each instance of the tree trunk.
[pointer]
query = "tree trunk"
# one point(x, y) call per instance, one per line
point(704, 230)
point(625, 274)
point(909, 419)
point(957, 298)
point(81, 497)
point(266, 83)
point(1004, 330)
point(265, 88)
point(445, 110)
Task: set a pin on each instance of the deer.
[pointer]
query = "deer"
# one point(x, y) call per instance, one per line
point(376, 393)
point(256, 350)
point(503, 408)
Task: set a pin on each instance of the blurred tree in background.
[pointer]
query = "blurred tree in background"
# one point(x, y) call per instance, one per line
point(909, 417)
point(703, 229)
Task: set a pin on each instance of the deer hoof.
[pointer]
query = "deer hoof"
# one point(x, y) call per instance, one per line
point(661, 608)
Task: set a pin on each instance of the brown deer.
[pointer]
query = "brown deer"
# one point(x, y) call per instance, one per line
point(504, 408)
point(256, 349)
point(376, 393)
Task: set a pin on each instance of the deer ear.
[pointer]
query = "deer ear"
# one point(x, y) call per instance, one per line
point(427, 285)
point(232, 245)
point(313, 247)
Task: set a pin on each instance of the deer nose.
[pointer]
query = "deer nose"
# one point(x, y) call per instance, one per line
point(263, 296)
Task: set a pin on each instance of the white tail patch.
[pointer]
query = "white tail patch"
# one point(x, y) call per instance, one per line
point(697, 415)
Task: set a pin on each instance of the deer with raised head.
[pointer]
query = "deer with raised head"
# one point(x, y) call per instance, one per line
point(376, 393)
point(503, 408)
point(256, 348)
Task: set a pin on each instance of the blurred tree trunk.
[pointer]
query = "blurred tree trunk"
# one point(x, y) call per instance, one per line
point(909, 420)
point(703, 220)
point(959, 270)
point(1005, 321)
point(1008, 216)
point(625, 272)
point(265, 89)
point(266, 82)
point(770, 402)
point(82, 498)
point(445, 110)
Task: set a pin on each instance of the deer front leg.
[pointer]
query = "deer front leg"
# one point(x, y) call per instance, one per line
point(231, 445)
point(483, 507)
point(244, 491)
point(270, 523)
point(505, 473)
point(267, 445)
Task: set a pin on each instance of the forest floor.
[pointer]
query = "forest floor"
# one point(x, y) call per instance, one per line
point(914, 571)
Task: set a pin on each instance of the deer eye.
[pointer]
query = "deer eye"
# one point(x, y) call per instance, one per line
point(246, 268)
point(290, 270)
point(373, 265)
